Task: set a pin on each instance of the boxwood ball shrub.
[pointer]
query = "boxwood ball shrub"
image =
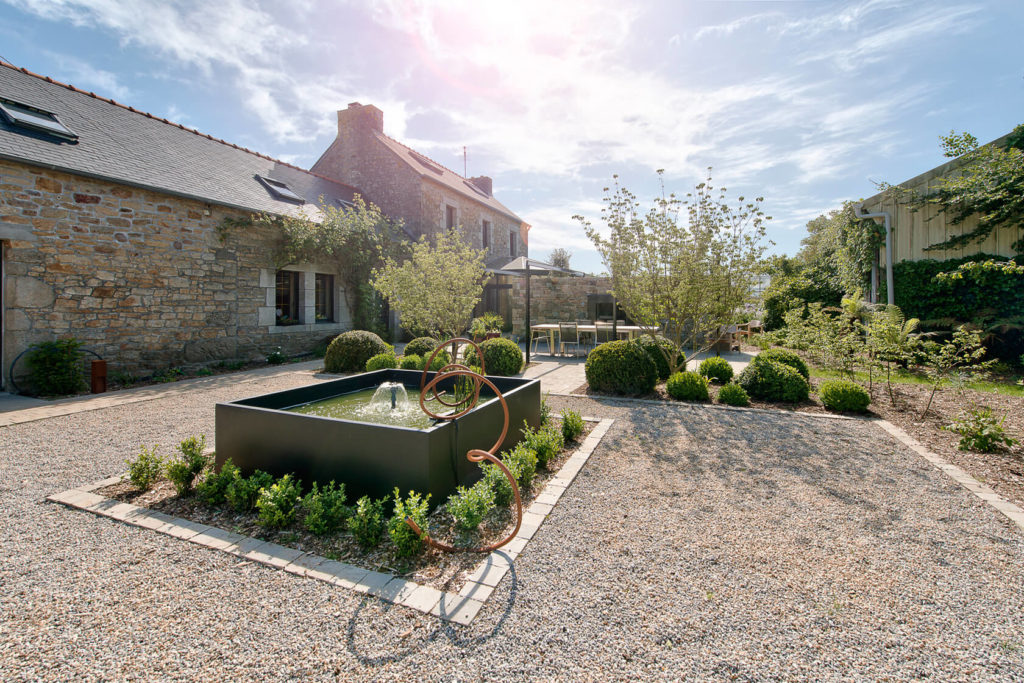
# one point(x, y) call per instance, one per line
point(325, 509)
point(277, 504)
point(733, 395)
point(145, 469)
point(772, 381)
point(687, 386)
point(716, 368)
point(621, 367)
point(655, 348)
point(413, 362)
point(367, 521)
point(572, 425)
point(844, 396)
point(786, 358)
point(469, 505)
point(407, 542)
point(421, 346)
point(501, 357)
point(350, 350)
point(381, 361)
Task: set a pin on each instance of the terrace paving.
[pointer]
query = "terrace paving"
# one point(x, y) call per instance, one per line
point(695, 543)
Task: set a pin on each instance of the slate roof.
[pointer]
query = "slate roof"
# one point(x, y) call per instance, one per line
point(124, 145)
point(431, 170)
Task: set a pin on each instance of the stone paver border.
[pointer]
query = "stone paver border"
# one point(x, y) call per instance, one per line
point(460, 608)
point(993, 499)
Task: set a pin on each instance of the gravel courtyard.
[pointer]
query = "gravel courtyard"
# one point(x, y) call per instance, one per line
point(696, 543)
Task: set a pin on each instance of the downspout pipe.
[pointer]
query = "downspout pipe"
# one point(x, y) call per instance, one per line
point(890, 294)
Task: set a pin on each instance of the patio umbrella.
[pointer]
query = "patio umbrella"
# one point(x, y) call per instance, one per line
point(528, 267)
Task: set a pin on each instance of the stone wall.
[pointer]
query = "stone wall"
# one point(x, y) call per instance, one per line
point(142, 278)
point(555, 299)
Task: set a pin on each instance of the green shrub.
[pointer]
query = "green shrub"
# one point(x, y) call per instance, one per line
point(716, 368)
point(499, 484)
point(367, 521)
point(350, 350)
point(411, 362)
point(183, 471)
point(687, 386)
point(502, 357)
point(733, 395)
point(545, 412)
point(442, 359)
point(242, 492)
point(421, 346)
point(276, 357)
point(382, 361)
point(213, 489)
point(276, 504)
point(521, 461)
point(55, 367)
point(844, 396)
point(773, 381)
point(653, 346)
point(325, 509)
point(469, 505)
point(408, 542)
point(980, 431)
point(145, 469)
point(572, 425)
point(786, 358)
point(621, 367)
point(167, 375)
point(546, 442)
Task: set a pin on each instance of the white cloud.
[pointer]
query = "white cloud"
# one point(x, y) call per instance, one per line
point(88, 77)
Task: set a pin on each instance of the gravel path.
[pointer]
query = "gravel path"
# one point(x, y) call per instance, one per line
point(696, 543)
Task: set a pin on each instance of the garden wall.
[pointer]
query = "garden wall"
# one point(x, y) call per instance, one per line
point(555, 299)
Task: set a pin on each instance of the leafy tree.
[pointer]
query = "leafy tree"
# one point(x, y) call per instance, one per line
point(989, 182)
point(892, 340)
point(685, 265)
point(560, 257)
point(436, 289)
point(958, 360)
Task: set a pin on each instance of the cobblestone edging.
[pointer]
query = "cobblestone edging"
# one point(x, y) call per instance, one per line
point(1011, 511)
point(460, 608)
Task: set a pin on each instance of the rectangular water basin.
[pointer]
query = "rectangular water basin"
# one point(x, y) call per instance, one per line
point(371, 459)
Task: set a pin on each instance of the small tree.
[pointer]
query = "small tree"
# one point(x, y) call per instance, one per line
point(685, 277)
point(892, 340)
point(959, 360)
point(436, 289)
point(560, 257)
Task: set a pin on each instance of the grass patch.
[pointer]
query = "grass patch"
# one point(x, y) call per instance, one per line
point(906, 377)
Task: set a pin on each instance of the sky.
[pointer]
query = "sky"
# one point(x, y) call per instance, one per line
point(805, 103)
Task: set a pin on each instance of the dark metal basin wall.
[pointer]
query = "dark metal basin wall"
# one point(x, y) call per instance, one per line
point(257, 433)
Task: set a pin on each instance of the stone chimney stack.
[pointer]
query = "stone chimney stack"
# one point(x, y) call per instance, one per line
point(484, 183)
point(359, 118)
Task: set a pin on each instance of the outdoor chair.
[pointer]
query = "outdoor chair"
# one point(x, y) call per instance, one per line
point(603, 332)
point(537, 336)
point(569, 335)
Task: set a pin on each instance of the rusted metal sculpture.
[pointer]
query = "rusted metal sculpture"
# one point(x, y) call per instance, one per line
point(460, 407)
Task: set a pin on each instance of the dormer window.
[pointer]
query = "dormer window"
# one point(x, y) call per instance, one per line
point(32, 118)
point(280, 190)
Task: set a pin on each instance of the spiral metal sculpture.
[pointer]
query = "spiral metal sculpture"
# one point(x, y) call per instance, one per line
point(429, 393)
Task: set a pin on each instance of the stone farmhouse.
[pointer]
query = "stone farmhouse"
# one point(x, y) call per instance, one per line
point(109, 229)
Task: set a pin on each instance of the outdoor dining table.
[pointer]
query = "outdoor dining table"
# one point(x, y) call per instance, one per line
point(629, 331)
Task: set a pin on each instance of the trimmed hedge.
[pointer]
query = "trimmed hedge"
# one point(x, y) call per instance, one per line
point(733, 395)
point(411, 362)
point(687, 386)
point(421, 346)
point(716, 368)
point(350, 351)
point(844, 396)
point(772, 381)
point(502, 357)
point(621, 367)
point(652, 347)
point(786, 358)
point(381, 361)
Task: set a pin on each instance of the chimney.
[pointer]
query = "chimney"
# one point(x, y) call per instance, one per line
point(484, 183)
point(360, 117)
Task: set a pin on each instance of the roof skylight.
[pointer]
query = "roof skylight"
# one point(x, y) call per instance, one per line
point(35, 119)
point(424, 161)
point(281, 190)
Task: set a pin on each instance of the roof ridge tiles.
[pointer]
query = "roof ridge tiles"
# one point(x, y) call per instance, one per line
point(49, 79)
point(433, 161)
